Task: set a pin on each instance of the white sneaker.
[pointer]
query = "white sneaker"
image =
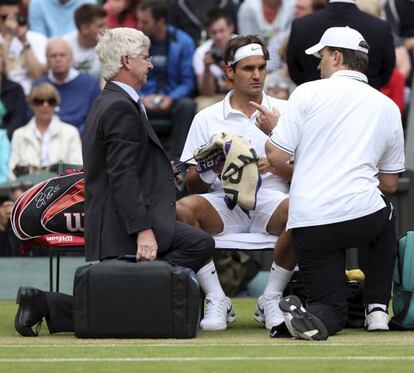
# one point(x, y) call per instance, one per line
point(219, 314)
point(268, 311)
point(376, 320)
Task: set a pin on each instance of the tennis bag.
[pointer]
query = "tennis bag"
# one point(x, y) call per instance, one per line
point(122, 298)
point(403, 285)
point(55, 205)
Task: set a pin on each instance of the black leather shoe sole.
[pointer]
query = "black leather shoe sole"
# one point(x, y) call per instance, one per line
point(27, 314)
point(304, 324)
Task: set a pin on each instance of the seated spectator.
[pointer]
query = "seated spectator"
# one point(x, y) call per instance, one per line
point(208, 59)
point(121, 13)
point(89, 19)
point(77, 91)
point(12, 101)
point(395, 87)
point(280, 40)
point(45, 140)
point(265, 18)
point(23, 49)
point(9, 243)
point(4, 156)
point(170, 84)
point(189, 15)
point(279, 85)
point(54, 17)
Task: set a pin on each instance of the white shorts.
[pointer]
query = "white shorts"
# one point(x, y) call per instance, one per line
point(237, 221)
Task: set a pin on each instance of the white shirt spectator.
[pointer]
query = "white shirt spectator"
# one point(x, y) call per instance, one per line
point(16, 70)
point(85, 60)
point(316, 125)
point(251, 20)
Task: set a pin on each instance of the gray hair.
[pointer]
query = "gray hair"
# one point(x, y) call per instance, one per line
point(115, 43)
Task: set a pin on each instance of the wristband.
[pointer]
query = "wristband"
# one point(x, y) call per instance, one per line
point(208, 176)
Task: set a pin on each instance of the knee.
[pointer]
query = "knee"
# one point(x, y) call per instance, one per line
point(207, 246)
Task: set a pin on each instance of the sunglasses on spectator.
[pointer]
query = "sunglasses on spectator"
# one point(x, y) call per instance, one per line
point(41, 101)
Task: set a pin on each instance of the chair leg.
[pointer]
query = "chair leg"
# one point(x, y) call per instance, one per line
point(57, 270)
point(51, 270)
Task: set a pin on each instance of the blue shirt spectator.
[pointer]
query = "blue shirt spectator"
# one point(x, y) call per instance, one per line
point(77, 91)
point(178, 81)
point(54, 17)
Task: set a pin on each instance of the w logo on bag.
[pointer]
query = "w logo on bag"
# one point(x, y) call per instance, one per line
point(52, 206)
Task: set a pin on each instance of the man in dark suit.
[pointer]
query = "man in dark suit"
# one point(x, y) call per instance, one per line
point(307, 31)
point(129, 185)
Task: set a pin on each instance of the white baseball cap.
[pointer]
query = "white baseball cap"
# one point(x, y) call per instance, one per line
point(339, 37)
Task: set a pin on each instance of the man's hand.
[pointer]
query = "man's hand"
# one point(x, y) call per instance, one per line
point(208, 61)
point(5, 211)
point(267, 119)
point(157, 103)
point(146, 246)
point(264, 166)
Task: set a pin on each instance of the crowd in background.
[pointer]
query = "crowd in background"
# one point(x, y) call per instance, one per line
point(50, 74)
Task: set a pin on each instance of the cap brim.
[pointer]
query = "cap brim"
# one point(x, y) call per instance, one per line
point(315, 50)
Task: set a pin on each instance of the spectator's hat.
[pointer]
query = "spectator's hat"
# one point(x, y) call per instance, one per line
point(339, 37)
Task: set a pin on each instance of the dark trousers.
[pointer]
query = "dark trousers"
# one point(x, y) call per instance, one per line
point(191, 248)
point(181, 115)
point(320, 252)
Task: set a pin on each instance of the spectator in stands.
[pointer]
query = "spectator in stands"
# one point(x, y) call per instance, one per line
point(89, 19)
point(307, 31)
point(395, 88)
point(12, 101)
point(4, 156)
point(189, 15)
point(265, 18)
point(23, 49)
point(208, 59)
point(54, 17)
point(171, 83)
point(77, 91)
point(9, 244)
point(45, 140)
point(278, 41)
point(121, 13)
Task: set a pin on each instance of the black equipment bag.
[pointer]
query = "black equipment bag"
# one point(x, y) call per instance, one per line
point(120, 298)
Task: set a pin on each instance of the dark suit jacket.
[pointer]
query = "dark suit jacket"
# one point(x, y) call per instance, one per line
point(129, 183)
point(307, 31)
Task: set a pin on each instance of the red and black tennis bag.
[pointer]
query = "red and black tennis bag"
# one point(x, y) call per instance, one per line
point(54, 206)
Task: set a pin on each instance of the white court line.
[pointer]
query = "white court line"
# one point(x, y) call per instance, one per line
point(77, 344)
point(192, 359)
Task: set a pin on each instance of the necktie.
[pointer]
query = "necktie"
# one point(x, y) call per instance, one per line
point(142, 107)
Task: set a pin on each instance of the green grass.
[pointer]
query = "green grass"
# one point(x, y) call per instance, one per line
point(244, 347)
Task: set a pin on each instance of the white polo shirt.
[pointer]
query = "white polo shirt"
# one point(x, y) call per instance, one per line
point(221, 117)
point(342, 133)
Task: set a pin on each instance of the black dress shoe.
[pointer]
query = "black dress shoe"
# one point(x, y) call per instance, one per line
point(32, 309)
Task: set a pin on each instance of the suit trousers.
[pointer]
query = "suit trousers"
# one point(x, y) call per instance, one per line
point(320, 252)
point(191, 248)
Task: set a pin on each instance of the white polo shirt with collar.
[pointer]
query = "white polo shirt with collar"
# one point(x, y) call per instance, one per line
point(221, 117)
point(342, 132)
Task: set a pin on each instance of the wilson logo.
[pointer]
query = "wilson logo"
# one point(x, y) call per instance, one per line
point(75, 221)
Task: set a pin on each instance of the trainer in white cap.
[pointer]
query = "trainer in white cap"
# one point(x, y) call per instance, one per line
point(339, 37)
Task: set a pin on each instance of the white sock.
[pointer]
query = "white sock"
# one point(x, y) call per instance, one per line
point(278, 279)
point(373, 305)
point(209, 282)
